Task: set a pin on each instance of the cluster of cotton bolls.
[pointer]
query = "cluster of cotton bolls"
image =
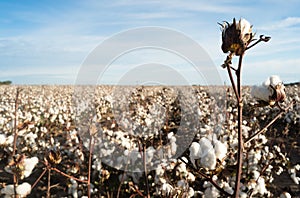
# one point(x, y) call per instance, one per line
point(175, 135)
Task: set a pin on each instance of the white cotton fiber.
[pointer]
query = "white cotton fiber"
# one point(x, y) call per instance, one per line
point(195, 152)
point(220, 149)
point(29, 164)
point(209, 160)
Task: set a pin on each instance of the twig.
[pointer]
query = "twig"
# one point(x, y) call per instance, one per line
point(69, 176)
point(39, 178)
point(270, 123)
point(261, 38)
point(232, 82)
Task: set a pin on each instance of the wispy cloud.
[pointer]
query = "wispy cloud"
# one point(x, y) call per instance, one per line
point(284, 23)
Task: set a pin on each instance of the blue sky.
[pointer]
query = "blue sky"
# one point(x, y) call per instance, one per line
point(47, 41)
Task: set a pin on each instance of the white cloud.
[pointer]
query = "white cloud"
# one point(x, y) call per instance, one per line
point(285, 23)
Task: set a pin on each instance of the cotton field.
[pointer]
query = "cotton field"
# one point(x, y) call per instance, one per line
point(125, 141)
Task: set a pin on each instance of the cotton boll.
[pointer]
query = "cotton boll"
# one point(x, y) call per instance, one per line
point(243, 195)
point(260, 187)
point(181, 183)
point(150, 151)
point(228, 189)
point(206, 146)
point(294, 176)
point(23, 189)
point(275, 80)
point(244, 26)
point(195, 152)
point(191, 177)
point(8, 190)
point(209, 160)
point(166, 189)
point(285, 195)
point(29, 164)
point(211, 192)
point(261, 92)
point(220, 149)
point(2, 139)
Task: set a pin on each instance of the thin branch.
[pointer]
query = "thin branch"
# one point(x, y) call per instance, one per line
point(39, 178)
point(270, 123)
point(91, 147)
point(233, 83)
point(69, 176)
point(261, 38)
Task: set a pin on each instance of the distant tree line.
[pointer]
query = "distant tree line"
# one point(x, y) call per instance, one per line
point(6, 82)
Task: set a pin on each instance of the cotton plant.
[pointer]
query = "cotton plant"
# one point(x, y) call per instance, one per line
point(237, 38)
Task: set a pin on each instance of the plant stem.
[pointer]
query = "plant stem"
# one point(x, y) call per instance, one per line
point(240, 134)
point(90, 164)
point(49, 183)
point(15, 177)
point(145, 170)
point(15, 122)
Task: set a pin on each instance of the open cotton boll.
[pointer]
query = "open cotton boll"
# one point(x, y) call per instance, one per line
point(220, 149)
point(209, 160)
point(205, 146)
point(285, 195)
point(195, 152)
point(23, 189)
point(261, 187)
point(8, 190)
point(29, 164)
point(211, 192)
point(261, 92)
point(274, 80)
point(2, 139)
point(166, 189)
